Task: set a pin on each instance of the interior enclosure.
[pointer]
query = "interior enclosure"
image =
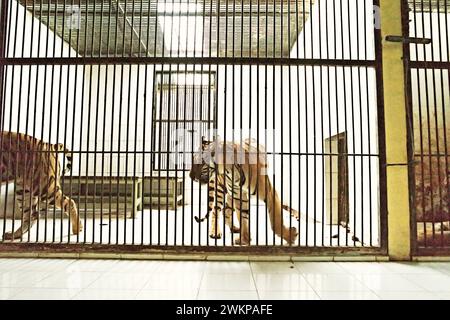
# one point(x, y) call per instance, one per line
point(131, 87)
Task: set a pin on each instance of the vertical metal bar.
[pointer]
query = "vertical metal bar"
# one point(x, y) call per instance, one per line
point(61, 168)
point(96, 103)
point(258, 106)
point(209, 106)
point(265, 119)
point(352, 108)
point(169, 123)
point(144, 153)
point(369, 130)
point(344, 104)
point(250, 68)
point(161, 105)
point(314, 125)
point(305, 69)
point(88, 147)
point(119, 176)
point(105, 100)
point(20, 104)
point(127, 154)
point(330, 157)
point(11, 108)
point(154, 93)
point(74, 106)
point(135, 148)
point(31, 151)
point(274, 48)
point(297, 40)
point(322, 209)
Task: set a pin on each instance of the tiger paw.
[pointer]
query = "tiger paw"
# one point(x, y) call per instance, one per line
point(215, 235)
point(11, 236)
point(243, 242)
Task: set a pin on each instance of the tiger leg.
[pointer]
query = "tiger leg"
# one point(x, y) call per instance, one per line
point(228, 213)
point(28, 209)
point(241, 204)
point(70, 208)
point(216, 199)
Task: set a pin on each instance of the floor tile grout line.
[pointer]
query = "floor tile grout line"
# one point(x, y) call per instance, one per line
point(200, 282)
point(254, 280)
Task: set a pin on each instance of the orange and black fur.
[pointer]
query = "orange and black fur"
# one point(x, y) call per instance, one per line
point(34, 167)
point(241, 179)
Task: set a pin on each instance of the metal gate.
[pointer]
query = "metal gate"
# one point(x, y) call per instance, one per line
point(140, 100)
point(427, 59)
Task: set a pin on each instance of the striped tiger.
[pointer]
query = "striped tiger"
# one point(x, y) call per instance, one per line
point(217, 198)
point(34, 167)
point(242, 179)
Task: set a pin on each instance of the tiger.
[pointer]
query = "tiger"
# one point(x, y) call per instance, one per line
point(34, 167)
point(217, 192)
point(242, 179)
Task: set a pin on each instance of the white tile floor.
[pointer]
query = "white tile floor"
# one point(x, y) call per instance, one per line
point(180, 280)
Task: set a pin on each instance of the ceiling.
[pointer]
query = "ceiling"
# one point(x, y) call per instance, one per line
point(430, 5)
point(216, 28)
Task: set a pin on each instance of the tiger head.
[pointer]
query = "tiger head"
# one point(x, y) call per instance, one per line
point(203, 165)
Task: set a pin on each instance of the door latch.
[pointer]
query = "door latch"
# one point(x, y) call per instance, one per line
point(408, 40)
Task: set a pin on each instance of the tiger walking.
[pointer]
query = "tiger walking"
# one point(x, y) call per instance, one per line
point(219, 201)
point(243, 179)
point(34, 168)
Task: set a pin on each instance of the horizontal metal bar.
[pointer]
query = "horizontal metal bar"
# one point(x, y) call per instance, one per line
point(138, 152)
point(188, 60)
point(429, 65)
point(408, 40)
point(179, 250)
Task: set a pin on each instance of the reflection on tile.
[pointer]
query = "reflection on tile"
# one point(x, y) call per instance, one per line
point(46, 294)
point(92, 265)
point(279, 282)
point(228, 282)
point(319, 268)
point(227, 295)
point(408, 268)
point(125, 266)
point(335, 282)
point(68, 280)
point(106, 294)
point(347, 295)
point(216, 267)
point(183, 294)
point(388, 282)
point(120, 281)
point(273, 267)
point(287, 295)
point(406, 295)
point(46, 265)
point(364, 267)
point(21, 279)
point(8, 293)
point(431, 282)
point(173, 282)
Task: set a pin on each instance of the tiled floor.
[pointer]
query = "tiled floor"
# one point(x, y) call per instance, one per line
point(113, 279)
